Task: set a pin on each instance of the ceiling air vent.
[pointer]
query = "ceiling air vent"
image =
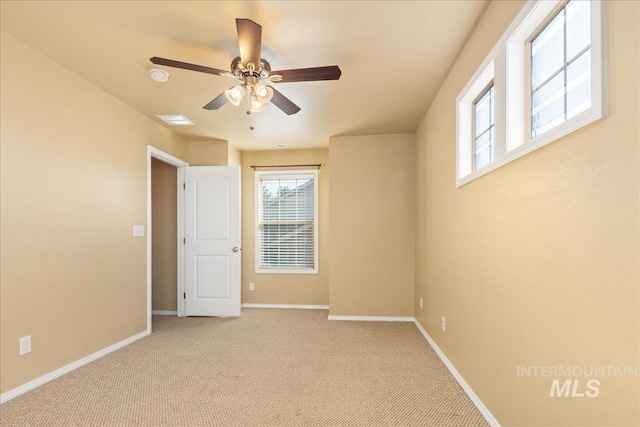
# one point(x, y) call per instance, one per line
point(175, 120)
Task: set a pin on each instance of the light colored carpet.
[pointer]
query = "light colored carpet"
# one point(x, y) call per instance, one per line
point(269, 367)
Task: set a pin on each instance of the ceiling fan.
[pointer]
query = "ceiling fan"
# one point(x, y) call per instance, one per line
point(254, 73)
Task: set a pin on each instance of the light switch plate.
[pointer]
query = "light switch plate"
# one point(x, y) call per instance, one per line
point(138, 231)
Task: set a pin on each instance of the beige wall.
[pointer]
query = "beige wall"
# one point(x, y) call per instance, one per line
point(234, 156)
point(208, 153)
point(536, 263)
point(73, 183)
point(372, 225)
point(164, 220)
point(284, 288)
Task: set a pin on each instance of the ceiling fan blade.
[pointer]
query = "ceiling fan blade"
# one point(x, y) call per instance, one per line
point(250, 41)
point(218, 102)
point(186, 66)
point(331, 72)
point(284, 103)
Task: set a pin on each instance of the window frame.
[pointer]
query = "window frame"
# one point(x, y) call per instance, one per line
point(480, 81)
point(510, 64)
point(597, 109)
point(474, 143)
point(288, 174)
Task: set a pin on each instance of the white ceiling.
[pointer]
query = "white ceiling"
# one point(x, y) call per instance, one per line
point(394, 55)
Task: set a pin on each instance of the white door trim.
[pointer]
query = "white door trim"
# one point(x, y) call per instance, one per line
point(180, 218)
point(179, 164)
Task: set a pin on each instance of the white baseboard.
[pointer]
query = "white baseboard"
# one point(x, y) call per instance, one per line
point(164, 313)
point(295, 306)
point(371, 318)
point(4, 397)
point(474, 398)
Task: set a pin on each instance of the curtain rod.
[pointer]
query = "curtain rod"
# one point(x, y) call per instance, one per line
point(315, 165)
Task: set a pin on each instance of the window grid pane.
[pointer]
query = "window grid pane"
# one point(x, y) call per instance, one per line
point(560, 68)
point(286, 223)
point(483, 124)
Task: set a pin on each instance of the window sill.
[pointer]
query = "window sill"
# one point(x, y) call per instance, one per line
point(583, 119)
point(287, 271)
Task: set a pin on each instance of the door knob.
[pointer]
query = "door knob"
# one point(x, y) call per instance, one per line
point(236, 249)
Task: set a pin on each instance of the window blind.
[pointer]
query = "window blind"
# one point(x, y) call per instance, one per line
point(286, 222)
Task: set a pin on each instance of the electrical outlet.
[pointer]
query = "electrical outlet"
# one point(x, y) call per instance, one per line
point(420, 302)
point(252, 286)
point(443, 324)
point(25, 345)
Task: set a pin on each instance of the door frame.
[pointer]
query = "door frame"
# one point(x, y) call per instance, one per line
point(155, 153)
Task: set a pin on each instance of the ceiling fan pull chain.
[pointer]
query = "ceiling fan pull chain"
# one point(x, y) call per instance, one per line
point(250, 91)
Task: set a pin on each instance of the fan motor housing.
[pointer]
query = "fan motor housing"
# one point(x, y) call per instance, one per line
point(240, 71)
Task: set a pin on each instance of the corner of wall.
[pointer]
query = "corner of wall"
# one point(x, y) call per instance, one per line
point(234, 156)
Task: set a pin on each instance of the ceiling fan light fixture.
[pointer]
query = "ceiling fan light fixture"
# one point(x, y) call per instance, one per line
point(263, 92)
point(253, 70)
point(257, 105)
point(235, 94)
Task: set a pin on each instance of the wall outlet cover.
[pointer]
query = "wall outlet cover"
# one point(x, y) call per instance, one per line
point(25, 345)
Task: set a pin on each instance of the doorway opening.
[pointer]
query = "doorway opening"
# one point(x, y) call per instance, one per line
point(164, 225)
point(164, 232)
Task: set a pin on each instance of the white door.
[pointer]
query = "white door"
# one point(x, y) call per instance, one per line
point(212, 241)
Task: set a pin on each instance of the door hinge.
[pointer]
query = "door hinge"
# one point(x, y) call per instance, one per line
point(184, 186)
point(184, 240)
point(184, 295)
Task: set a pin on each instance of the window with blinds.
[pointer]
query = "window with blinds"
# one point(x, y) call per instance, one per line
point(286, 222)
